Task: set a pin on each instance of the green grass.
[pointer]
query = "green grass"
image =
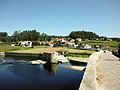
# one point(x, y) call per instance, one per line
point(8, 48)
point(78, 55)
point(112, 45)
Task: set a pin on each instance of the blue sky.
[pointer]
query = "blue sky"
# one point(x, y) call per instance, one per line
point(60, 17)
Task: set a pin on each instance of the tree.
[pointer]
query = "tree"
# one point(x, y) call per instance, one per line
point(16, 36)
point(83, 35)
point(28, 35)
point(43, 37)
point(3, 36)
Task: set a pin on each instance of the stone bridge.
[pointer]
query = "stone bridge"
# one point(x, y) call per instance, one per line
point(102, 72)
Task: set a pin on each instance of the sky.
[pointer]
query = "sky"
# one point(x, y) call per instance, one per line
point(60, 17)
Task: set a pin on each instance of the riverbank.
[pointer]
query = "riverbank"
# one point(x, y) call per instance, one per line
point(41, 49)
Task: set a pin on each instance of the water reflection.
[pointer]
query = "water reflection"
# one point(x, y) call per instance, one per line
point(52, 68)
point(76, 63)
point(25, 76)
point(17, 58)
point(28, 72)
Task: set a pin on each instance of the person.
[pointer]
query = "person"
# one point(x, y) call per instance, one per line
point(119, 51)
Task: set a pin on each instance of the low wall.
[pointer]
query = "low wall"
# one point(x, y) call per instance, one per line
point(50, 57)
point(23, 54)
point(89, 78)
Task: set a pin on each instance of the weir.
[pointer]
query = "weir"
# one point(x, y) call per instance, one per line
point(49, 57)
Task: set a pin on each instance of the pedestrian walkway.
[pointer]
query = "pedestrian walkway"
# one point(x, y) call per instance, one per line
point(108, 72)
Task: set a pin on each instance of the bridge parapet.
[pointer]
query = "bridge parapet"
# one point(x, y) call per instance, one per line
point(89, 78)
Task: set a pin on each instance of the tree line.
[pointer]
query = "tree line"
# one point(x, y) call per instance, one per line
point(27, 35)
point(83, 35)
point(33, 35)
point(3, 36)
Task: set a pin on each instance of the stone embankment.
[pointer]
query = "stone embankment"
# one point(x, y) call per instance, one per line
point(51, 57)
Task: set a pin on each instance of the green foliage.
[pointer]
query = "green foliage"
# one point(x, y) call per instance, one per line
point(44, 37)
point(83, 35)
point(16, 36)
point(28, 35)
point(116, 39)
point(78, 55)
point(3, 36)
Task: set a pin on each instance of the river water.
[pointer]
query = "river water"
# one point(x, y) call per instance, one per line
point(18, 74)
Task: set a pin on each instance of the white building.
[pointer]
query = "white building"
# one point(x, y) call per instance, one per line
point(86, 46)
point(109, 39)
point(79, 39)
point(12, 45)
point(75, 45)
point(25, 43)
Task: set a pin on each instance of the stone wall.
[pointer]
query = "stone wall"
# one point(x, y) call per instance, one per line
point(50, 57)
point(89, 78)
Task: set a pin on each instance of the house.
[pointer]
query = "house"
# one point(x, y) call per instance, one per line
point(75, 45)
point(70, 44)
point(51, 44)
point(25, 43)
point(79, 39)
point(85, 46)
point(12, 45)
point(62, 40)
point(72, 40)
point(109, 39)
point(96, 39)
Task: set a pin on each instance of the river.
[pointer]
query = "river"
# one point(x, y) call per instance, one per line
point(17, 74)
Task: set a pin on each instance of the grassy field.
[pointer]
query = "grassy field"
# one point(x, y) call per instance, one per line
point(112, 45)
point(8, 48)
point(75, 53)
point(78, 55)
point(41, 49)
point(52, 49)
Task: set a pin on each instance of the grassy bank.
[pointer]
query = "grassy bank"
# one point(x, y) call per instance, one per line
point(112, 45)
point(82, 55)
point(41, 49)
point(8, 48)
